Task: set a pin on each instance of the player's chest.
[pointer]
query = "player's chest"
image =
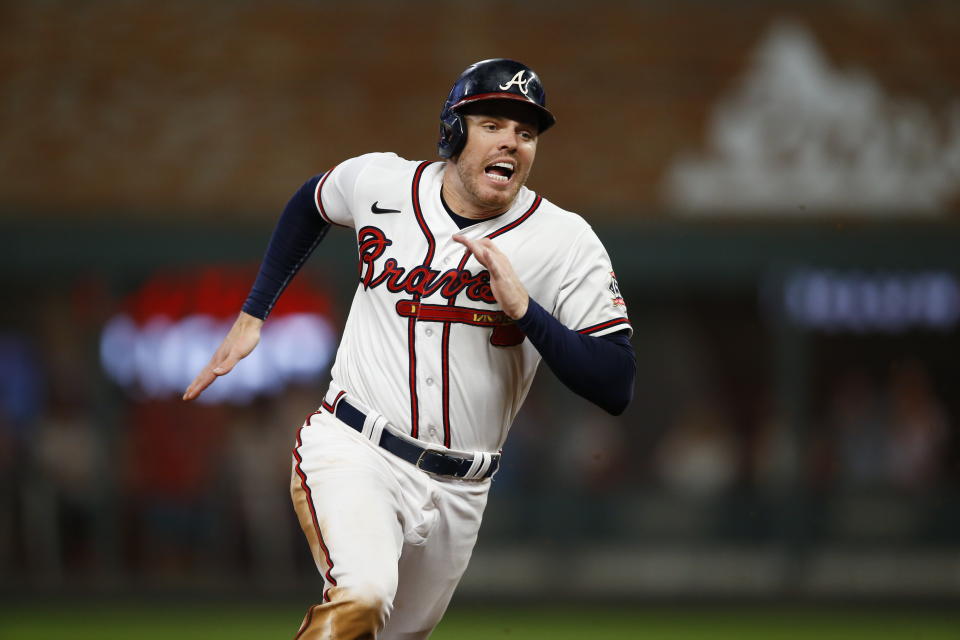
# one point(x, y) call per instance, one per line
point(407, 263)
point(436, 281)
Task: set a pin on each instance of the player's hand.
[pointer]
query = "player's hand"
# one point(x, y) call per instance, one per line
point(506, 286)
point(240, 341)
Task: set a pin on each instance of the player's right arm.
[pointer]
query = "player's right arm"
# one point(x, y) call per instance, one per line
point(322, 201)
point(240, 341)
point(298, 232)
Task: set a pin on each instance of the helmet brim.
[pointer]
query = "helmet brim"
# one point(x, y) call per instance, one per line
point(544, 117)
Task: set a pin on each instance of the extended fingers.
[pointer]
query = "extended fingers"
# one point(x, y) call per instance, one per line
point(218, 366)
point(201, 382)
point(240, 341)
point(490, 256)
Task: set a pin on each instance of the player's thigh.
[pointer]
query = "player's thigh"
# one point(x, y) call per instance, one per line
point(348, 502)
point(429, 573)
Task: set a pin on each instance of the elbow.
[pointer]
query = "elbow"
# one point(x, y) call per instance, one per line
point(619, 401)
point(620, 398)
point(618, 409)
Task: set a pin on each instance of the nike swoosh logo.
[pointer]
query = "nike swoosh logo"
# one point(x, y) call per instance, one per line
point(375, 209)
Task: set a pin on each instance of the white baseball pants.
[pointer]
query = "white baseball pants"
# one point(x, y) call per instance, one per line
point(390, 540)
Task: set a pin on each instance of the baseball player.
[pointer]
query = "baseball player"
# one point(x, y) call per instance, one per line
point(467, 279)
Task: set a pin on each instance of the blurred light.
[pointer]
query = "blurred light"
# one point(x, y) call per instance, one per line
point(877, 302)
point(172, 326)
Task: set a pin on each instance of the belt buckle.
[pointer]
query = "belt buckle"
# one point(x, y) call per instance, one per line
point(423, 455)
point(441, 457)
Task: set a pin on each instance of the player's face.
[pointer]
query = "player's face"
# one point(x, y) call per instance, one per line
point(497, 158)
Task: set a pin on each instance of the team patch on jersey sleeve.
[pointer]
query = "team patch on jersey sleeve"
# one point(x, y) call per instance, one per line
point(617, 298)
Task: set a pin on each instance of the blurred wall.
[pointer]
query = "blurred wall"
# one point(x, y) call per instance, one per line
point(113, 107)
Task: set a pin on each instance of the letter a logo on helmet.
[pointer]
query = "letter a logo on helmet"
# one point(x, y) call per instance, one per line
point(518, 80)
point(495, 79)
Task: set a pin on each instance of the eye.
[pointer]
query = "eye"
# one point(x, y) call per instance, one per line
point(489, 126)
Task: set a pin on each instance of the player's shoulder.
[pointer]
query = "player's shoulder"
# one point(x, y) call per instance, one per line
point(567, 223)
point(372, 171)
point(379, 160)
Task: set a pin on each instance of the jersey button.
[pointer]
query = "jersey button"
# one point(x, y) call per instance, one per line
point(429, 380)
point(429, 332)
point(433, 431)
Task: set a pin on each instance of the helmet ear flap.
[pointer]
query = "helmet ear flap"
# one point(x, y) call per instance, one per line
point(453, 135)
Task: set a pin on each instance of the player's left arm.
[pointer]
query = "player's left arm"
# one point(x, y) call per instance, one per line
point(601, 369)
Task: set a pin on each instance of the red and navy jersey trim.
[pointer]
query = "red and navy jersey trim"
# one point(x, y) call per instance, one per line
point(412, 322)
point(418, 212)
point(445, 380)
point(516, 223)
point(604, 325)
point(329, 406)
point(319, 200)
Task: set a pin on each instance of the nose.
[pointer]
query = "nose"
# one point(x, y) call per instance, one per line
point(509, 139)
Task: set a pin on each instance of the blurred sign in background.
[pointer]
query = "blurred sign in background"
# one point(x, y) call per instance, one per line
point(779, 186)
point(168, 330)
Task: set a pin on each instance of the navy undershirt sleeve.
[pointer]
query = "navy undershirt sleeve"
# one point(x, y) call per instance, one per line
point(600, 369)
point(298, 232)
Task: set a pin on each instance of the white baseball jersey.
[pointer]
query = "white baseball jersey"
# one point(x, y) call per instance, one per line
point(426, 343)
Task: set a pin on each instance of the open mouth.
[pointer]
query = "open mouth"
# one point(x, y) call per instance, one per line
point(500, 171)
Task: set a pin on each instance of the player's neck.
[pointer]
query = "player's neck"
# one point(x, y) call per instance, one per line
point(458, 219)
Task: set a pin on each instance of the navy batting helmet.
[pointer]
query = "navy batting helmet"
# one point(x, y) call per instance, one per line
point(494, 79)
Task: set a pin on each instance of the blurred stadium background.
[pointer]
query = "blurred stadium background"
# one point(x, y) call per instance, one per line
point(778, 183)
